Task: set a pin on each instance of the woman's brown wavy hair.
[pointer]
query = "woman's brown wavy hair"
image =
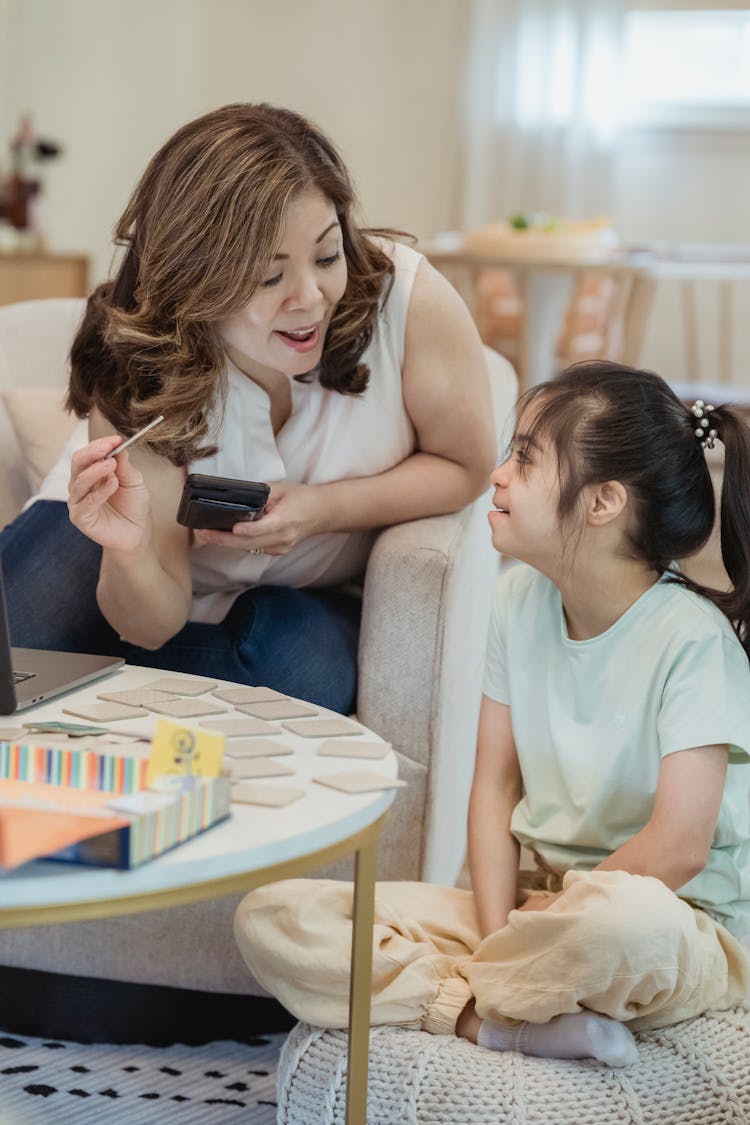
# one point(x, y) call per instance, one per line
point(201, 231)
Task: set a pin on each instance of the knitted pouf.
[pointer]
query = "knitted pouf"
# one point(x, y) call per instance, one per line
point(695, 1073)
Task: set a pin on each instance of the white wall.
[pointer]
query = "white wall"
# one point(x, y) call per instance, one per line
point(112, 79)
point(688, 186)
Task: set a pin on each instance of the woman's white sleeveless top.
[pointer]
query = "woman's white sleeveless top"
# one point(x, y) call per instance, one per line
point(328, 436)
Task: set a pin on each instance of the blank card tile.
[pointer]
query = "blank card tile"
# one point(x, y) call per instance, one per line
point(248, 694)
point(359, 781)
point(351, 748)
point(187, 708)
point(136, 697)
point(256, 748)
point(257, 793)
point(240, 728)
point(258, 767)
point(278, 709)
point(322, 728)
point(182, 685)
point(104, 712)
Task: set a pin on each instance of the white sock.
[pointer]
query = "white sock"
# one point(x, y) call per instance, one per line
point(575, 1035)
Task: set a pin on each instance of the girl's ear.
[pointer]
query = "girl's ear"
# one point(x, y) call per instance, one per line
point(606, 502)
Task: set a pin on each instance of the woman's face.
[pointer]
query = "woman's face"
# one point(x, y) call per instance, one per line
point(283, 327)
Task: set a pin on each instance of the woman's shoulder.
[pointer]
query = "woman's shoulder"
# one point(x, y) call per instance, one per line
point(396, 298)
point(405, 258)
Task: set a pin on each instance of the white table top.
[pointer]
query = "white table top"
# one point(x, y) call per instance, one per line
point(253, 838)
point(693, 262)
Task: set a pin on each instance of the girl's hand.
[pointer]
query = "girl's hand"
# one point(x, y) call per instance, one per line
point(294, 512)
point(540, 902)
point(108, 500)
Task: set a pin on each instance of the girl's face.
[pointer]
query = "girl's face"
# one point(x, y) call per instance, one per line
point(524, 522)
point(283, 327)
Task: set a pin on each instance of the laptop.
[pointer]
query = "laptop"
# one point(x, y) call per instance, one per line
point(30, 675)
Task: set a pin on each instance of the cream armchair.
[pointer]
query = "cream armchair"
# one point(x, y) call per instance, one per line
point(426, 599)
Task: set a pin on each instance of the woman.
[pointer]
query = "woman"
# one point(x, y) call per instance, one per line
point(281, 343)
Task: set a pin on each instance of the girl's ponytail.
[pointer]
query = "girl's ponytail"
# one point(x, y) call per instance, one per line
point(734, 435)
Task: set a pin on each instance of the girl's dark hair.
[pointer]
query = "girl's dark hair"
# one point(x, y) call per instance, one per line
point(606, 422)
point(200, 231)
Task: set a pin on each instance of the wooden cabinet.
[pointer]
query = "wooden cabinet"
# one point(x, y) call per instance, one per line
point(27, 276)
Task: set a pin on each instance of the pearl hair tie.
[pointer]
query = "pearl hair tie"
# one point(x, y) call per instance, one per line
point(706, 436)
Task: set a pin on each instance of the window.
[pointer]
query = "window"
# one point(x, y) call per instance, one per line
point(687, 67)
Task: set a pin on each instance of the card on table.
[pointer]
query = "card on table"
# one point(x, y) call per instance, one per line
point(136, 697)
point(104, 712)
point(257, 748)
point(359, 781)
point(240, 728)
point(13, 734)
point(278, 709)
point(248, 694)
point(347, 748)
point(258, 767)
point(322, 728)
point(274, 796)
point(69, 730)
point(187, 708)
point(182, 685)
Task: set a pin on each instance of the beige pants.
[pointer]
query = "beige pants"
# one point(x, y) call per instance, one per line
point(615, 943)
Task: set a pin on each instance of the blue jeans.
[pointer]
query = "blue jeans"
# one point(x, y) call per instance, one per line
point(300, 642)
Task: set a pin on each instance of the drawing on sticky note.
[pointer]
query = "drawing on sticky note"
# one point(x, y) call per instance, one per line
point(184, 752)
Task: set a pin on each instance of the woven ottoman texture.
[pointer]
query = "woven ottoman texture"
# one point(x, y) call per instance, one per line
point(696, 1073)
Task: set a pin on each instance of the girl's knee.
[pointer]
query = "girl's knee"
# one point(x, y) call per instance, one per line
point(296, 911)
point(620, 906)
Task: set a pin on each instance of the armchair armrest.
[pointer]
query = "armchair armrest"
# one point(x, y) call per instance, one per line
point(426, 597)
point(424, 626)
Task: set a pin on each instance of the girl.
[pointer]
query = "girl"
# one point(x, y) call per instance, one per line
point(613, 743)
point(282, 343)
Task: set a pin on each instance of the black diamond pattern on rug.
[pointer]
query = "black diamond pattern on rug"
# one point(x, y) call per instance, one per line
point(221, 1083)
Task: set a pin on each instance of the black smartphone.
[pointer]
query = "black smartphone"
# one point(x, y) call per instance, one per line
point(218, 503)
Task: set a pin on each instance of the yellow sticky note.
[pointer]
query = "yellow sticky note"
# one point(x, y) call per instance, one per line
point(178, 751)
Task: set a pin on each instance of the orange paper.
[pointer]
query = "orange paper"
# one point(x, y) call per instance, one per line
point(37, 820)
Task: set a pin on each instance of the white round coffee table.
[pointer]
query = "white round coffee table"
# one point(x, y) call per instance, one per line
point(256, 845)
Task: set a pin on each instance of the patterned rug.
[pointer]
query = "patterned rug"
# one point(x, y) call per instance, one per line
point(51, 1082)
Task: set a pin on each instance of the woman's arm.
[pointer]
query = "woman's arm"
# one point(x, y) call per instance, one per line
point(128, 504)
point(675, 843)
point(495, 792)
point(447, 397)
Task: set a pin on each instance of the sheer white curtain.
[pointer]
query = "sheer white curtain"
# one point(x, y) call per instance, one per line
point(541, 107)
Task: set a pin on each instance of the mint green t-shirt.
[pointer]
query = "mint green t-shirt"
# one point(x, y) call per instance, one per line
point(592, 720)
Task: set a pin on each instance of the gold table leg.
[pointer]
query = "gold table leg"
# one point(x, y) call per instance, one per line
point(360, 983)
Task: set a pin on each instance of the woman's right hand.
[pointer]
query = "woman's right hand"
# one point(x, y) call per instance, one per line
point(107, 498)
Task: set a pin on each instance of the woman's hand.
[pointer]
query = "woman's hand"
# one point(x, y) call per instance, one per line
point(294, 512)
point(108, 500)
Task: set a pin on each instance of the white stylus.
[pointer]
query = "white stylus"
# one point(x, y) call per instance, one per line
point(124, 445)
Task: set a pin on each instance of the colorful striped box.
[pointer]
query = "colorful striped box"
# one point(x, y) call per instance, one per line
point(112, 771)
point(151, 834)
point(122, 773)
